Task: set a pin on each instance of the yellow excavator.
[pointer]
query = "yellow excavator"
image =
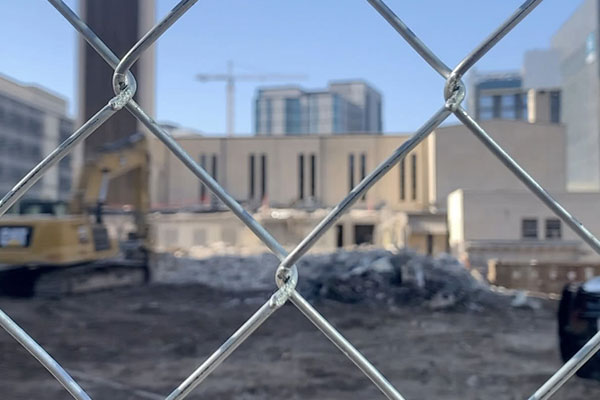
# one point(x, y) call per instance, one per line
point(52, 248)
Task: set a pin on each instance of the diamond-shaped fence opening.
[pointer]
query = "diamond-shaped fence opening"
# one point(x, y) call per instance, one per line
point(287, 276)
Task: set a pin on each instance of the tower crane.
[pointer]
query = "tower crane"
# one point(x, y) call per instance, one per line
point(230, 78)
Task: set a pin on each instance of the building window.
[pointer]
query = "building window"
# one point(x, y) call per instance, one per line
point(202, 186)
point(213, 198)
point(553, 229)
point(313, 115)
point(555, 106)
point(413, 160)
point(214, 166)
point(486, 102)
point(429, 244)
point(337, 114)
point(251, 192)
point(269, 124)
point(313, 175)
point(509, 113)
point(257, 126)
point(301, 176)
point(339, 235)
point(497, 106)
point(402, 180)
point(363, 234)
point(509, 107)
point(293, 116)
point(521, 105)
point(350, 172)
point(363, 170)
point(263, 176)
point(485, 107)
point(486, 114)
point(529, 228)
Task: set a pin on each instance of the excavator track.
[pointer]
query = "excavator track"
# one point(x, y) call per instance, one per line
point(49, 281)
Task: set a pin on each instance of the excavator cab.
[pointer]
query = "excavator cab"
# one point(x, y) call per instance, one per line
point(44, 207)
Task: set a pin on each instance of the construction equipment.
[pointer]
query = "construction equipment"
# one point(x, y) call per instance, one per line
point(578, 321)
point(54, 248)
point(231, 78)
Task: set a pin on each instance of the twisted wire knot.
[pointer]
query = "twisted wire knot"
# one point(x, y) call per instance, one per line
point(454, 92)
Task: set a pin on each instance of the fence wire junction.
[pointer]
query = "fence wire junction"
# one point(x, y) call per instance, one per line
point(124, 85)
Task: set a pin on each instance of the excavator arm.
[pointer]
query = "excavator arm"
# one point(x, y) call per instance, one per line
point(128, 156)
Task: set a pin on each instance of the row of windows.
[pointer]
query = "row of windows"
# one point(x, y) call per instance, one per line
point(508, 106)
point(513, 106)
point(64, 165)
point(65, 129)
point(12, 173)
point(297, 116)
point(529, 228)
point(21, 148)
point(402, 175)
point(28, 125)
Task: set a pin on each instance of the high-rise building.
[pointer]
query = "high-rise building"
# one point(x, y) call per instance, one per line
point(497, 96)
point(345, 107)
point(576, 42)
point(119, 24)
point(33, 122)
point(532, 94)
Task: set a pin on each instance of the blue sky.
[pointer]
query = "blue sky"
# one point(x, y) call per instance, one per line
point(323, 39)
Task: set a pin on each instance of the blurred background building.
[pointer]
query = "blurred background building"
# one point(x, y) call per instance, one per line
point(345, 107)
point(119, 24)
point(33, 122)
point(532, 94)
point(576, 43)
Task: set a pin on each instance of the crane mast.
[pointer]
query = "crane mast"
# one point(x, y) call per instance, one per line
point(230, 79)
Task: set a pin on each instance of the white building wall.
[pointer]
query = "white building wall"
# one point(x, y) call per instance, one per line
point(541, 69)
point(463, 162)
point(482, 218)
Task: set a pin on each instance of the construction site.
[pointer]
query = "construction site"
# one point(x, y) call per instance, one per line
point(322, 257)
point(436, 332)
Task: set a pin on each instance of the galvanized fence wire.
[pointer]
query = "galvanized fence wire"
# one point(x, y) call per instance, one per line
point(124, 85)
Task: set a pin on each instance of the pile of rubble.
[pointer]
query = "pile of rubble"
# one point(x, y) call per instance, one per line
point(360, 276)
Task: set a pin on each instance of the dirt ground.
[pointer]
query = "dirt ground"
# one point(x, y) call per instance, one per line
point(140, 343)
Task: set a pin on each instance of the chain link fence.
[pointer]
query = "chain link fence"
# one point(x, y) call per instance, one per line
point(287, 275)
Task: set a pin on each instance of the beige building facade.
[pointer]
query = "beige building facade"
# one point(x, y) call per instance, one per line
point(290, 182)
point(516, 227)
point(318, 171)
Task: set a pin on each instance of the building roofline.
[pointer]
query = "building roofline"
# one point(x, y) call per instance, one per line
point(297, 137)
point(325, 90)
point(505, 121)
point(34, 86)
point(356, 80)
point(479, 76)
point(280, 88)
